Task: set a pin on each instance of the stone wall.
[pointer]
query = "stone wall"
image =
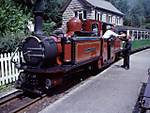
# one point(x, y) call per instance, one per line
point(69, 12)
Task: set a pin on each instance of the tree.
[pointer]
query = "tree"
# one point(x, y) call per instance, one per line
point(12, 17)
point(137, 14)
point(147, 8)
point(123, 6)
point(52, 14)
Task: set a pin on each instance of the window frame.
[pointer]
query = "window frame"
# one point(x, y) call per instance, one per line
point(98, 16)
point(83, 14)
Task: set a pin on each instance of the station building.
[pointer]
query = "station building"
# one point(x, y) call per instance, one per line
point(91, 9)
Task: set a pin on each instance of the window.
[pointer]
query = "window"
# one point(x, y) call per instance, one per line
point(110, 19)
point(104, 17)
point(76, 14)
point(121, 21)
point(113, 19)
point(82, 15)
point(98, 16)
point(117, 20)
point(95, 29)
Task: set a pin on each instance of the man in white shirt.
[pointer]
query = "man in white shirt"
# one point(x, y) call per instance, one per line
point(110, 33)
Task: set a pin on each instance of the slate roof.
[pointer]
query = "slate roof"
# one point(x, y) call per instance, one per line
point(102, 4)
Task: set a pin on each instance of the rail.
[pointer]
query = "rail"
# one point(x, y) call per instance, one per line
point(17, 102)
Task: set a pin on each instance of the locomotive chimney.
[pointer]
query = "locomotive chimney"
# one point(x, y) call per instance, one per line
point(38, 16)
point(38, 11)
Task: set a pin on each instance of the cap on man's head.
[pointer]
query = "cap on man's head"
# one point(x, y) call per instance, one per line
point(109, 27)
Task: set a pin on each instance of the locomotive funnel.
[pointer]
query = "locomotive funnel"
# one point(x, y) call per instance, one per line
point(38, 23)
point(39, 8)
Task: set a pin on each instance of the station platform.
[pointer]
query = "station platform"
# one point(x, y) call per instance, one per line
point(115, 90)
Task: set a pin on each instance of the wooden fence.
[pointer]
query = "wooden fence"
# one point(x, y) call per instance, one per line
point(8, 72)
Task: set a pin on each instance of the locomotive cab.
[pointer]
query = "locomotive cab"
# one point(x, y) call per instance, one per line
point(93, 26)
point(111, 47)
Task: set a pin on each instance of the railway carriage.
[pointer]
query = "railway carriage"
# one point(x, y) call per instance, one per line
point(135, 33)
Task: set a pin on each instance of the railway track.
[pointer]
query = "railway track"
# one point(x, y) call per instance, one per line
point(27, 104)
point(16, 102)
point(10, 96)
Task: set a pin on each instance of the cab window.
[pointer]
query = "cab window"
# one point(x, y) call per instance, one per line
point(95, 29)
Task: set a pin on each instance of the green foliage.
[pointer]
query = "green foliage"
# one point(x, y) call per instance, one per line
point(48, 27)
point(53, 16)
point(53, 10)
point(136, 12)
point(140, 43)
point(147, 7)
point(147, 25)
point(12, 17)
point(9, 42)
point(122, 5)
point(7, 87)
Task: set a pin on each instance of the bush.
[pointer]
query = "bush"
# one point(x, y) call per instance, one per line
point(12, 17)
point(48, 27)
point(140, 43)
point(9, 42)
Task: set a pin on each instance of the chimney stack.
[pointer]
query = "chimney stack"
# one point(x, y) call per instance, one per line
point(39, 8)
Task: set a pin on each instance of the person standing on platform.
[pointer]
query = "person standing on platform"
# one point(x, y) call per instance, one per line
point(126, 52)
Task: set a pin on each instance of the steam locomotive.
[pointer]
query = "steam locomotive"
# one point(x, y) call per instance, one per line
point(48, 59)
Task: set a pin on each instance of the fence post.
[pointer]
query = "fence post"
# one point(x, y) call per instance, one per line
point(2, 69)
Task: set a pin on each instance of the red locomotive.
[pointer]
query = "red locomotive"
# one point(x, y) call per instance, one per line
point(46, 60)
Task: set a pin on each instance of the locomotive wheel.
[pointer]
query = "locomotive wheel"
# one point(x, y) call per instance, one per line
point(21, 80)
point(114, 57)
point(142, 111)
point(97, 66)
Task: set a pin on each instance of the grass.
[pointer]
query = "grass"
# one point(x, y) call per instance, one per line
point(7, 87)
point(140, 43)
